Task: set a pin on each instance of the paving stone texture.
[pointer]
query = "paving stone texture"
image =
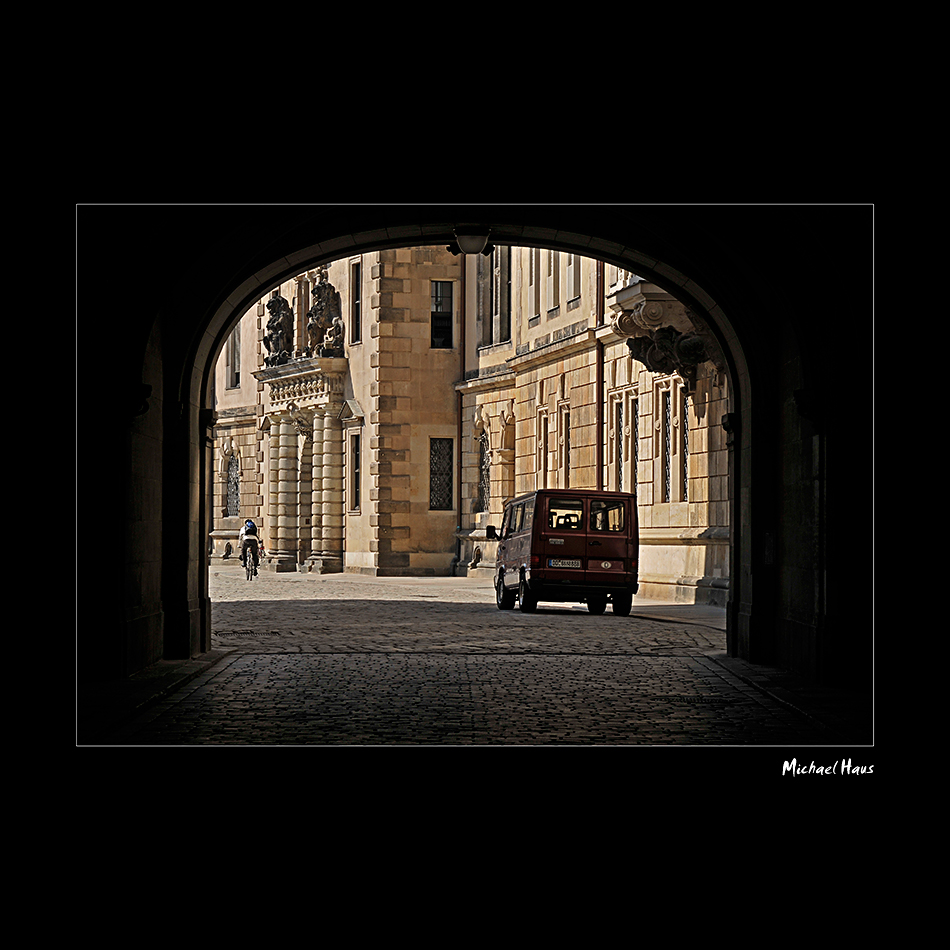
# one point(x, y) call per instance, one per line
point(347, 659)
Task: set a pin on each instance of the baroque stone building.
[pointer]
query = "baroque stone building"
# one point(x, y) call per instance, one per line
point(374, 414)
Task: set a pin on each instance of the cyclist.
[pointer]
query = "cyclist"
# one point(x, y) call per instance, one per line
point(249, 538)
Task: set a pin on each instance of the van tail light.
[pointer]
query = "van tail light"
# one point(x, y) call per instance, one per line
point(535, 560)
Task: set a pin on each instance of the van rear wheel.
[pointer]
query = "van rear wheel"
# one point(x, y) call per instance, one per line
point(527, 601)
point(622, 604)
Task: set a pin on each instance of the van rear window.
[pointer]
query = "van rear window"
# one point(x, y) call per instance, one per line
point(565, 514)
point(607, 515)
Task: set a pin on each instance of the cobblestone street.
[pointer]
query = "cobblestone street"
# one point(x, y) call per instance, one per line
point(350, 660)
point(347, 613)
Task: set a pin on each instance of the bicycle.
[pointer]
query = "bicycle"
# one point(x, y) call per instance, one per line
point(249, 565)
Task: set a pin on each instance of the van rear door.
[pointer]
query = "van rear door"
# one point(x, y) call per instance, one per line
point(563, 538)
point(608, 529)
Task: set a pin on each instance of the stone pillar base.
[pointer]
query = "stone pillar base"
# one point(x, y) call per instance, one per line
point(483, 569)
point(279, 565)
point(323, 565)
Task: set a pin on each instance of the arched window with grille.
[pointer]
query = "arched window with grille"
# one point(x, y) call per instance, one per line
point(484, 473)
point(234, 487)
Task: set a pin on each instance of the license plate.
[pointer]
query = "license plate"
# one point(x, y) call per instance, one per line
point(564, 562)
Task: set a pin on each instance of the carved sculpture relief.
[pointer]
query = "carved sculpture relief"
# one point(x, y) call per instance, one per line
point(507, 418)
point(648, 316)
point(663, 335)
point(302, 421)
point(479, 422)
point(312, 386)
point(228, 448)
point(667, 350)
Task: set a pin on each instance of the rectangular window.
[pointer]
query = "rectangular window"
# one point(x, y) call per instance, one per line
point(501, 292)
point(483, 279)
point(624, 441)
point(671, 441)
point(573, 276)
point(232, 356)
point(634, 444)
point(442, 315)
point(542, 448)
point(684, 417)
point(619, 437)
point(356, 317)
point(441, 453)
point(567, 449)
point(535, 282)
point(554, 280)
point(564, 445)
point(667, 446)
point(354, 472)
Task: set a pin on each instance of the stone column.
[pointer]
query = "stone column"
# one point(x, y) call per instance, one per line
point(285, 558)
point(316, 497)
point(332, 554)
point(272, 484)
point(304, 426)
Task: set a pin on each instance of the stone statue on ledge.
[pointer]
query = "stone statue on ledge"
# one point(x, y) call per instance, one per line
point(278, 339)
point(325, 321)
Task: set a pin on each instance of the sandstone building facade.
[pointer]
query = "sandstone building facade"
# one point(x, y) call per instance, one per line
point(374, 414)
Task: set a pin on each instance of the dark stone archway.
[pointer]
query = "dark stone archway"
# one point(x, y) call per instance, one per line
point(785, 291)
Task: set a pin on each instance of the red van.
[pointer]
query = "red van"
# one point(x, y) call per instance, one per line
point(570, 545)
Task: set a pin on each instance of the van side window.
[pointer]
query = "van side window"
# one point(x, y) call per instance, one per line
point(607, 515)
point(565, 514)
point(515, 519)
point(528, 515)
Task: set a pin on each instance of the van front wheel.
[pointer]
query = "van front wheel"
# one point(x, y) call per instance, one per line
point(504, 599)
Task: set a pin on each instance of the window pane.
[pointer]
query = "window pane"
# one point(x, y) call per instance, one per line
point(441, 296)
point(442, 314)
point(565, 513)
point(440, 474)
point(607, 515)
